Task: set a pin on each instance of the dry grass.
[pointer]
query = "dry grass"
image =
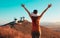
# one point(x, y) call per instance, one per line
point(24, 31)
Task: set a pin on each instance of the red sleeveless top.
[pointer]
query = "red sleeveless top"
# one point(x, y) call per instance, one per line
point(35, 23)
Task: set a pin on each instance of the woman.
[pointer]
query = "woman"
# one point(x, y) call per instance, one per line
point(36, 30)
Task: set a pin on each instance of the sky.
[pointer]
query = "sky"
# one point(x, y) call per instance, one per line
point(10, 9)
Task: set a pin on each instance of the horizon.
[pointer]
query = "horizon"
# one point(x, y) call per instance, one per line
point(10, 9)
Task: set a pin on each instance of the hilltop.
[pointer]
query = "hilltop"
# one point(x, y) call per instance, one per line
point(23, 30)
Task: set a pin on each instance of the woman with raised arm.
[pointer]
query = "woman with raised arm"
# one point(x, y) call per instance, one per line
point(36, 30)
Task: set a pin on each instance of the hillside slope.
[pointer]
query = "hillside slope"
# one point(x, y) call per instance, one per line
point(24, 31)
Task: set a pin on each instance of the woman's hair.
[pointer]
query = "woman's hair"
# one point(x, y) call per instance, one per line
point(35, 11)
